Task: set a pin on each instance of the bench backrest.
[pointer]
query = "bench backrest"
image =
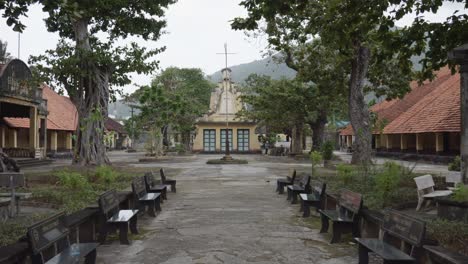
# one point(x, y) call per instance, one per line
point(139, 186)
point(46, 233)
point(454, 177)
point(12, 179)
point(293, 175)
point(109, 201)
point(424, 182)
point(350, 201)
point(404, 227)
point(149, 180)
point(319, 188)
point(163, 176)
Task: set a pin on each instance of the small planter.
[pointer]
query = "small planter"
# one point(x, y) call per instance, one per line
point(452, 210)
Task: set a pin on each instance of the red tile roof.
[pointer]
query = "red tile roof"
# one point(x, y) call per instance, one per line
point(112, 125)
point(62, 113)
point(431, 107)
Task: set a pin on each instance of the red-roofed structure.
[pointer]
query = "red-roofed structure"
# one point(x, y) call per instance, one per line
point(427, 120)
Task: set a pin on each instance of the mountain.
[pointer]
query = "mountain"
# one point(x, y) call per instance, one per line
point(261, 67)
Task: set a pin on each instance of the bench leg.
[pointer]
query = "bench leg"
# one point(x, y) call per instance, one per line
point(289, 195)
point(158, 204)
point(173, 188)
point(306, 209)
point(294, 198)
point(337, 230)
point(164, 194)
point(281, 188)
point(420, 202)
point(151, 208)
point(301, 206)
point(324, 228)
point(133, 224)
point(103, 233)
point(277, 186)
point(363, 255)
point(123, 233)
point(91, 257)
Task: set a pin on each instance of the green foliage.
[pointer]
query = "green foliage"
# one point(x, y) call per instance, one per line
point(179, 148)
point(71, 180)
point(327, 150)
point(455, 165)
point(461, 193)
point(450, 234)
point(316, 158)
point(14, 229)
point(105, 174)
point(345, 173)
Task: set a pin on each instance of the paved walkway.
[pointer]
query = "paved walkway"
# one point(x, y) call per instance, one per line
point(228, 214)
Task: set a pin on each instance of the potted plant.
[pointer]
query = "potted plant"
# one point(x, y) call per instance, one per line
point(454, 208)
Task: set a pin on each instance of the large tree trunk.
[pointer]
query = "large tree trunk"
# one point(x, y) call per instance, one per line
point(358, 110)
point(296, 144)
point(318, 130)
point(186, 140)
point(91, 98)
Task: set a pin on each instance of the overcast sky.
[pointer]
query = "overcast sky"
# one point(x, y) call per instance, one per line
point(196, 31)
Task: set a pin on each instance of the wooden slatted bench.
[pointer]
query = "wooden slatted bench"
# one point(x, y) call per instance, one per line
point(143, 199)
point(346, 216)
point(398, 225)
point(425, 187)
point(442, 255)
point(153, 187)
point(280, 183)
point(51, 236)
point(295, 189)
point(165, 180)
point(316, 198)
point(114, 217)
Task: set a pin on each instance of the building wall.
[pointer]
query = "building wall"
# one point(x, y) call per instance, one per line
point(23, 138)
point(254, 144)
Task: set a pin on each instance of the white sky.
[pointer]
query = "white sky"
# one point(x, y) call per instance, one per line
point(197, 30)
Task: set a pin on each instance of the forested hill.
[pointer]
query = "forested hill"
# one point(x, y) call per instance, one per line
point(261, 67)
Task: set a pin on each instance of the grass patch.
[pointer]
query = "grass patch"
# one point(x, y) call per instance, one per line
point(14, 229)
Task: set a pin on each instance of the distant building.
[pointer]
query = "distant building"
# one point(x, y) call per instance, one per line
point(426, 121)
point(115, 135)
point(210, 136)
point(36, 121)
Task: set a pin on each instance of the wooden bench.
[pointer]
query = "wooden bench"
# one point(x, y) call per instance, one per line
point(346, 216)
point(153, 187)
point(397, 225)
point(425, 188)
point(114, 217)
point(51, 237)
point(280, 183)
point(165, 180)
point(453, 179)
point(302, 187)
point(440, 255)
point(316, 198)
point(143, 199)
point(12, 180)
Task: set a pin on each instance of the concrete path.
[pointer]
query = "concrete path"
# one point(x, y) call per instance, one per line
point(228, 214)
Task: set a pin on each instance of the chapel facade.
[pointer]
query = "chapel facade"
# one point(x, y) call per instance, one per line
point(225, 103)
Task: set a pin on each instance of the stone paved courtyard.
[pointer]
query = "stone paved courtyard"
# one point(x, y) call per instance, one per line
point(227, 214)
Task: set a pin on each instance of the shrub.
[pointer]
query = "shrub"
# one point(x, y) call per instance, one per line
point(450, 234)
point(461, 193)
point(327, 150)
point(105, 174)
point(345, 173)
point(316, 159)
point(71, 180)
point(179, 148)
point(387, 181)
point(455, 165)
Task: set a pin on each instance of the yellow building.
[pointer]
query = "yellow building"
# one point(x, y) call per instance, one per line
point(210, 136)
